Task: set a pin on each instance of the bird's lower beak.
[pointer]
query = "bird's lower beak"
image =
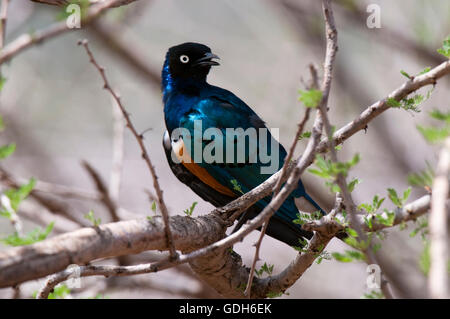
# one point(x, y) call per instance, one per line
point(207, 60)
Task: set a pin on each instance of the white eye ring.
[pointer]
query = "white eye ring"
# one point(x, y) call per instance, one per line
point(184, 58)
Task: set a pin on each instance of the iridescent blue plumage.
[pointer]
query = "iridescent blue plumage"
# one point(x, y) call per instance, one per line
point(189, 98)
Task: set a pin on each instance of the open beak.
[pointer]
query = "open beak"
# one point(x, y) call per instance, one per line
point(207, 60)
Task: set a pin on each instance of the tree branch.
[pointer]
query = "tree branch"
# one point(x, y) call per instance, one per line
point(360, 122)
point(118, 3)
point(26, 41)
point(109, 240)
point(287, 160)
point(139, 138)
point(438, 277)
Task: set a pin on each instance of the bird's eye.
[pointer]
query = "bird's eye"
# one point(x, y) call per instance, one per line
point(184, 58)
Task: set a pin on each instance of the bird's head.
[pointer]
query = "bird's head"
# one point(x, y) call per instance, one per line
point(190, 60)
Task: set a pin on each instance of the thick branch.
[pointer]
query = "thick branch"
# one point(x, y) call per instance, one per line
point(438, 278)
point(109, 240)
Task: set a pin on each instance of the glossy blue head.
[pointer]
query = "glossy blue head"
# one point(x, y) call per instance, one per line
point(185, 63)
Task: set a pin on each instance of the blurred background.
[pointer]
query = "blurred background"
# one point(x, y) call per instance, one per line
point(57, 113)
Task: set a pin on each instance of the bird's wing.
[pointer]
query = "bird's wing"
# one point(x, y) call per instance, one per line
point(221, 109)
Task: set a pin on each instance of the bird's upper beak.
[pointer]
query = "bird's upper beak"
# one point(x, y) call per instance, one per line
point(207, 60)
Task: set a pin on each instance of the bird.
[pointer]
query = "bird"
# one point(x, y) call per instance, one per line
point(188, 100)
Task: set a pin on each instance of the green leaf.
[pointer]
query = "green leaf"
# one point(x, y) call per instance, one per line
point(445, 50)
point(373, 295)
point(377, 202)
point(406, 194)
point(306, 134)
point(16, 196)
point(423, 178)
point(323, 255)
point(405, 74)
point(236, 186)
point(2, 82)
point(356, 255)
point(302, 218)
point(60, 292)
point(367, 207)
point(426, 70)
point(322, 163)
point(352, 184)
point(349, 256)
point(411, 104)
point(438, 115)
point(425, 260)
point(272, 295)
point(355, 160)
point(351, 232)
point(388, 220)
point(32, 237)
point(190, 210)
point(394, 197)
point(329, 171)
point(91, 217)
point(264, 269)
point(393, 102)
point(341, 257)
point(421, 226)
point(98, 296)
point(319, 173)
point(355, 243)
point(376, 247)
point(303, 243)
point(434, 135)
point(6, 213)
point(310, 98)
point(7, 150)
point(154, 206)
point(372, 208)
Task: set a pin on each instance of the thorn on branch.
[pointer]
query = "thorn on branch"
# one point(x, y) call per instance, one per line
point(366, 127)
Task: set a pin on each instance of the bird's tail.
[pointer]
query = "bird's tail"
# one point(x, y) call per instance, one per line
point(306, 204)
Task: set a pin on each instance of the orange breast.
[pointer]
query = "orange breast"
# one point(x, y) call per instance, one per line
point(199, 171)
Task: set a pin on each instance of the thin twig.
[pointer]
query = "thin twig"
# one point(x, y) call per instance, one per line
point(51, 204)
point(301, 263)
point(372, 111)
point(301, 126)
point(3, 19)
point(118, 153)
point(126, 50)
point(349, 204)
point(145, 156)
point(118, 3)
point(26, 41)
point(106, 199)
point(63, 190)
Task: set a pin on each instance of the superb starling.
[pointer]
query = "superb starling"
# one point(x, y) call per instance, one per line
point(195, 108)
